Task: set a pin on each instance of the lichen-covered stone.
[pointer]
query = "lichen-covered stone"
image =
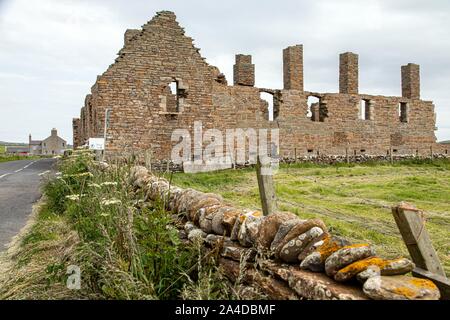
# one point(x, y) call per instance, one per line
point(196, 235)
point(242, 216)
point(371, 271)
point(397, 267)
point(291, 250)
point(249, 229)
point(345, 256)
point(188, 227)
point(312, 246)
point(269, 228)
point(217, 225)
point(386, 267)
point(181, 205)
point(400, 288)
point(236, 227)
point(315, 261)
point(297, 230)
point(230, 216)
point(203, 201)
point(350, 271)
point(283, 230)
point(205, 221)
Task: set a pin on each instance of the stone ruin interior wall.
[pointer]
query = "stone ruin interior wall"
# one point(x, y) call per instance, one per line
point(145, 109)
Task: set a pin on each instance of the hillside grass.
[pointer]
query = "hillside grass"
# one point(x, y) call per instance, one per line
point(353, 200)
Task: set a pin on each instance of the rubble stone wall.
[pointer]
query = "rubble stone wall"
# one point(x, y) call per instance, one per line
point(143, 116)
point(282, 255)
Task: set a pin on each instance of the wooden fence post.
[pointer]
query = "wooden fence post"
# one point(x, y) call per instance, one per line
point(347, 159)
point(266, 188)
point(411, 223)
point(295, 155)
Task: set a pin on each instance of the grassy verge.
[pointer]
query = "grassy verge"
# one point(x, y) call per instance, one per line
point(125, 248)
point(7, 157)
point(354, 200)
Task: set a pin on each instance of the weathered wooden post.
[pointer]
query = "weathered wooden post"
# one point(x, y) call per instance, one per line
point(431, 152)
point(295, 155)
point(266, 187)
point(347, 159)
point(411, 223)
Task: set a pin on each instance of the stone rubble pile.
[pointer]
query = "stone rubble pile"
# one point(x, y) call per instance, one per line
point(288, 241)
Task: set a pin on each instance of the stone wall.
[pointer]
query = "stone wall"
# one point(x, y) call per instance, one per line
point(283, 255)
point(144, 113)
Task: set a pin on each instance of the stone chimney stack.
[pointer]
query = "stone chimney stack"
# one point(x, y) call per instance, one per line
point(54, 132)
point(411, 81)
point(293, 68)
point(348, 73)
point(244, 71)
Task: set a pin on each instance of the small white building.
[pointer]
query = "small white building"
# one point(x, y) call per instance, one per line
point(53, 145)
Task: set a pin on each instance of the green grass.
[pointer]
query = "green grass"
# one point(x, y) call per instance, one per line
point(354, 200)
point(2, 149)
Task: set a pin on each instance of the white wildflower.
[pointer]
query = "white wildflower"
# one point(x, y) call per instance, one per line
point(94, 185)
point(73, 197)
point(78, 175)
point(109, 202)
point(109, 183)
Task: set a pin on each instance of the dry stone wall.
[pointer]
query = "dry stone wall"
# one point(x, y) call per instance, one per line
point(143, 114)
point(283, 255)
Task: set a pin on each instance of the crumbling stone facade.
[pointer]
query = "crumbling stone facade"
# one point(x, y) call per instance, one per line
point(159, 82)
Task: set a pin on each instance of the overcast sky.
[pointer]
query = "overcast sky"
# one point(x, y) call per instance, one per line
point(52, 50)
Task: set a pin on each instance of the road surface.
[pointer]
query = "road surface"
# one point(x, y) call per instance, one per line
point(19, 190)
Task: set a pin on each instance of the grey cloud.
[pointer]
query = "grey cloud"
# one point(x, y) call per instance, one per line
point(51, 52)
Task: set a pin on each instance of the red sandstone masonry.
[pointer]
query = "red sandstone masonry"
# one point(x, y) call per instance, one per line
point(135, 88)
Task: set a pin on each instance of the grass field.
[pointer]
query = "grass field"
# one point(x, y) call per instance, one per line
point(2, 149)
point(354, 200)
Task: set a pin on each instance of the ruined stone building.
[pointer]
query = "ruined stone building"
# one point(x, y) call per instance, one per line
point(159, 82)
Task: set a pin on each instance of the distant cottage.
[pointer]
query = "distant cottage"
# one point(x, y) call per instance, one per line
point(53, 145)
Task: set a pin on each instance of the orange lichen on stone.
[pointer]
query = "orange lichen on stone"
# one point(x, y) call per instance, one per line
point(361, 265)
point(423, 283)
point(356, 246)
point(328, 247)
point(242, 217)
point(405, 291)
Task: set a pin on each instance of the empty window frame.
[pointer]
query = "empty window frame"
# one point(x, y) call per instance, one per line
point(269, 99)
point(403, 112)
point(316, 110)
point(364, 109)
point(173, 97)
point(313, 108)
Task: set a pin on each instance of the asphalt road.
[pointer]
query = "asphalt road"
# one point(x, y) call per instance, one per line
point(20, 183)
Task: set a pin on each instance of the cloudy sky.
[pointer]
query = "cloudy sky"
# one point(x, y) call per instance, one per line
point(52, 50)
